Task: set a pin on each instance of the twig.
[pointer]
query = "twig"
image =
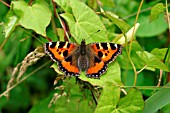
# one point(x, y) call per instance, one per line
point(62, 23)
point(133, 14)
point(5, 3)
point(160, 78)
point(6, 39)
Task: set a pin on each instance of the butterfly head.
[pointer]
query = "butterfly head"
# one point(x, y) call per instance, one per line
point(83, 41)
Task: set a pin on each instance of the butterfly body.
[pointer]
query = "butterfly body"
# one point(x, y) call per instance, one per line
point(92, 58)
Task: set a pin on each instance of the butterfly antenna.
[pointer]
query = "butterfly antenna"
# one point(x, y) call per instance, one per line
point(93, 34)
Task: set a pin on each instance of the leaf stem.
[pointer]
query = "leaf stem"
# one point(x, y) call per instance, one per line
point(6, 39)
point(134, 68)
point(147, 87)
point(141, 69)
point(134, 25)
point(130, 47)
point(62, 24)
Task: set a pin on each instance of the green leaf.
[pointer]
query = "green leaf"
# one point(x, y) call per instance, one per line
point(72, 105)
point(60, 34)
point(156, 10)
point(55, 66)
point(120, 23)
point(132, 102)
point(149, 29)
point(157, 100)
point(166, 109)
point(82, 21)
point(10, 24)
point(151, 60)
point(137, 61)
point(159, 53)
point(36, 17)
point(167, 60)
point(112, 75)
point(110, 101)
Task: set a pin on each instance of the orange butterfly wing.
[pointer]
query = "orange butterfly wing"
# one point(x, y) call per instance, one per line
point(103, 53)
point(61, 52)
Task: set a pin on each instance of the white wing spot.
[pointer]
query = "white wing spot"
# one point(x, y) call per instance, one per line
point(108, 45)
point(50, 43)
point(65, 46)
point(116, 45)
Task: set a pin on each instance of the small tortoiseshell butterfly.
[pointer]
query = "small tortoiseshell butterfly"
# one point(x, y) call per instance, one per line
point(92, 58)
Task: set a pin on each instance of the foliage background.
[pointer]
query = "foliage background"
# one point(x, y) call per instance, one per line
point(149, 50)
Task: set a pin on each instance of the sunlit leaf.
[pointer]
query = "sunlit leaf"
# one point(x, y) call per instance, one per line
point(121, 40)
point(160, 53)
point(110, 101)
point(82, 21)
point(36, 17)
point(120, 23)
point(55, 66)
point(151, 60)
point(156, 10)
point(133, 102)
point(10, 25)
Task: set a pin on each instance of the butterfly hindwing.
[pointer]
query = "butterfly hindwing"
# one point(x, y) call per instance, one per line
point(96, 66)
point(69, 65)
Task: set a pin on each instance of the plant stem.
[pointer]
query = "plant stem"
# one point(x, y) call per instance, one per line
point(167, 15)
point(134, 25)
point(142, 69)
point(9, 89)
point(130, 47)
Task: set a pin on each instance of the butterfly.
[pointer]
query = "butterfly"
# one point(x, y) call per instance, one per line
point(92, 58)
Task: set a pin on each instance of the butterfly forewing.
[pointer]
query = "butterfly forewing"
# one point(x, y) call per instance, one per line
point(107, 52)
